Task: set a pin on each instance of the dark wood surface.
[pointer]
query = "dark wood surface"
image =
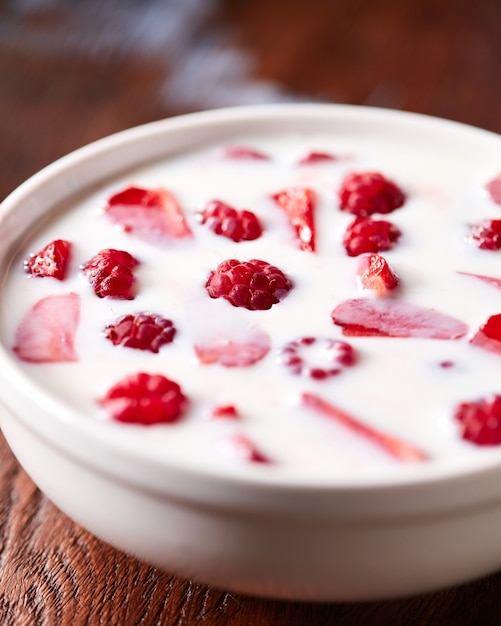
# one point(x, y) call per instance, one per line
point(71, 72)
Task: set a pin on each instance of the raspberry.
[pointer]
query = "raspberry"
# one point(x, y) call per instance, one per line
point(110, 274)
point(480, 421)
point(486, 234)
point(52, 260)
point(369, 192)
point(143, 331)
point(374, 274)
point(366, 235)
point(338, 353)
point(255, 285)
point(227, 221)
point(145, 399)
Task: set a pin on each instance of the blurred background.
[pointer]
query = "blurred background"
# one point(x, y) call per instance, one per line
point(74, 70)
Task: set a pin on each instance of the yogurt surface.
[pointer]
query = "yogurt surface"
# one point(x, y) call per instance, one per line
point(398, 386)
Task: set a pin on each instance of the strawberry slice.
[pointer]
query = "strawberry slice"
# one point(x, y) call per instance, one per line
point(229, 352)
point(243, 448)
point(314, 157)
point(384, 317)
point(488, 335)
point(493, 188)
point(153, 215)
point(299, 205)
point(487, 279)
point(243, 153)
point(46, 334)
point(51, 261)
point(376, 275)
point(395, 447)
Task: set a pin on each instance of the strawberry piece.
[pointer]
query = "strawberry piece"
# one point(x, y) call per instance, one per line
point(493, 188)
point(224, 220)
point(486, 234)
point(145, 399)
point(491, 280)
point(153, 215)
point(299, 205)
point(110, 274)
point(229, 352)
point(480, 421)
point(51, 261)
point(312, 158)
point(46, 334)
point(338, 355)
point(244, 449)
point(376, 275)
point(225, 411)
point(243, 153)
point(488, 335)
point(384, 317)
point(367, 235)
point(369, 192)
point(142, 331)
point(395, 447)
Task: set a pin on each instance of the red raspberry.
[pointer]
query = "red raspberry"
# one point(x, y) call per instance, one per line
point(480, 421)
point(487, 234)
point(227, 221)
point(52, 260)
point(143, 331)
point(110, 274)
point(337, 354)
point(145, 399)
point(369, 192)
point(255, 285)
point(366, 235)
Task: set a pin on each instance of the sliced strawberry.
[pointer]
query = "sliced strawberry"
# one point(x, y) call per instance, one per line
point(374, 274)
point(384, 317)
point(51, 261)
point(234, 352)
point(243, 153)
point(488, 335)
point(493, 188)
point(314, 157)
point(46, 334)
point(299, 205)
point(487, 279)
point(243, 448)
point(393, 446)
point(153, 215)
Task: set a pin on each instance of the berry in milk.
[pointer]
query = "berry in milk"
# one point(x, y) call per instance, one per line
point(252, 295)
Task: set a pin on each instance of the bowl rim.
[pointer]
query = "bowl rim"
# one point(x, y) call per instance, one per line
point(67, 420)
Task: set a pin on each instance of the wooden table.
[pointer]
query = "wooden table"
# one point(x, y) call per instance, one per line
point(71, 72)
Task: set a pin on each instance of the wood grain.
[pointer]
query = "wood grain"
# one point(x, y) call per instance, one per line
point(73, 72)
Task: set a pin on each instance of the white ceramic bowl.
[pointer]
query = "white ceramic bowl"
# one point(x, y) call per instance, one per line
point(433, 525)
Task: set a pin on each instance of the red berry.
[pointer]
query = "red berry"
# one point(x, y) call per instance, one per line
point(227, 221)
point(242, 351)
point(145, 399)
point(150, 214)
point(338, 354)
point(313, 158)
point(480, 421)
point(225, 410)
point(255, 285)
point(486, 234)
point(110, 274)
point(46, 334)
point(393, 446)
point(376, 275)
point(367, 235)
point(493, 188)
point(299, 205)
point(52, 260)
point(143, 331)
point(243, 153)
point(369, 192)
point(388, 317)
point(488, 335)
